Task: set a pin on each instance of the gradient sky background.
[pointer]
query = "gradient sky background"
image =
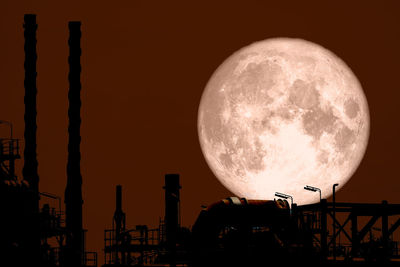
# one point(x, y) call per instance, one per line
point(144, 67)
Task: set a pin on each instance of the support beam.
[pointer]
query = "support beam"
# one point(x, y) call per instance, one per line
point(354, 235)
point(324, 230)
point(385, 231)
point(353, 212)
point(367, 227)
point(341, 229)
point(394, 227)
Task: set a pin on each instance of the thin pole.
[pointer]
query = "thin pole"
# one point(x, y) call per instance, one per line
point(334, 222)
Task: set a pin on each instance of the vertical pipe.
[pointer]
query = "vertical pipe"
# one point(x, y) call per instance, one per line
point(119, 219)
point(334, 221)
point(118, 198)
point(12, 159)
point(354, 234)
point(30, 168)
point(385, 231)
point(324, 230)
point(105, 245)
point(172, 200)
point(73, 191)
point(141, 246)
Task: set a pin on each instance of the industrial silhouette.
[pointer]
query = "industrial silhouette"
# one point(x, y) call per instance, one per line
point(39, 237)
point(230, 232)
point(73, 191)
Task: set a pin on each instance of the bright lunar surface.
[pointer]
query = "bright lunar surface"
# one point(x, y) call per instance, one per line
point(281, 114)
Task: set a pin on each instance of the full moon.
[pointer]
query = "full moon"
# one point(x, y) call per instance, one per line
point(281, 114)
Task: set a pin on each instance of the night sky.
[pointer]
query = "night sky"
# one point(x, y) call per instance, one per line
point(144, 67)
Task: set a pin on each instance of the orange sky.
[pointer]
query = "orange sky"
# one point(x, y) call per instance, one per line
point(144, 67)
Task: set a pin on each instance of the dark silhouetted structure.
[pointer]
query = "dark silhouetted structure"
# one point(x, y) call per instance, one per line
point(172, 202)
point(166, 245)
point(241, 232)
point(73, 191)
point(231, 232)
point(119, 226)
point(356, 246)
point(30, 236)
point(30, 169)
point(30, 172)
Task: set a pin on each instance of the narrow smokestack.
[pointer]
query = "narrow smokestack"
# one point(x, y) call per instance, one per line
point(119, 219)
point(172, 202)
point(73, 191)
point(118, 199)
point(30, 168)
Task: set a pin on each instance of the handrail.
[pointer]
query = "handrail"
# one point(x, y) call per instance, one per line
point(90, 257)
point(9, 146)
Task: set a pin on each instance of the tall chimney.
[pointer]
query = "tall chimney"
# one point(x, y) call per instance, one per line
point(119, 219)
point(171, 214)
point(119, 215)
point(73, 191)
point(30, 168)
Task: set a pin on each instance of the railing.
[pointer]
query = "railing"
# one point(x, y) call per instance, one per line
point(90, 259)
point(58, 257)
point(139, 237)
point(108, 242)
point(9, 147)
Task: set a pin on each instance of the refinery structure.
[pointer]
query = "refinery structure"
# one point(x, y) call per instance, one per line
point(231, 232)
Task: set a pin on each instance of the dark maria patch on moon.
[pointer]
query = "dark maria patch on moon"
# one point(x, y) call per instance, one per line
point(254, 82)
point(344, 137)
point(226, 160)
point(323, 157)
point(303, 95)
point(351, 108)
point(317, 121)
